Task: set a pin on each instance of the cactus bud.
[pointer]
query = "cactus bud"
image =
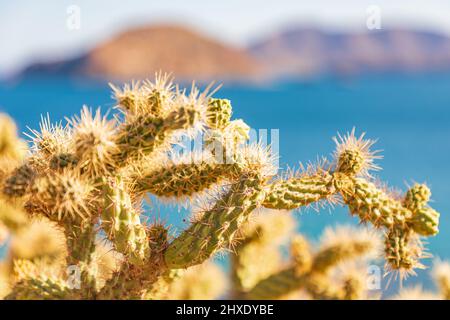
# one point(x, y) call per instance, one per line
point(93, 142)
point(218, 113)
point(18, 184)
point(63, 161)
point(353, 155)
point(425, 221)
point(350, 162)
point(417, 197)
point(62, 196)
point(237, 132)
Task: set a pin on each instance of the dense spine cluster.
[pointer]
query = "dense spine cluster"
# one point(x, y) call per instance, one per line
point(84, 182)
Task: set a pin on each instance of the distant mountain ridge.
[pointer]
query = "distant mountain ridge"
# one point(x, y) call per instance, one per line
point(298, 52)
point(312, 51)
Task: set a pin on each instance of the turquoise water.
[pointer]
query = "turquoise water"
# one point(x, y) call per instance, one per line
point(410, 116)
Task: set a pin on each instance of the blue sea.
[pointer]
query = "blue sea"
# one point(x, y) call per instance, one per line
point(409, 115)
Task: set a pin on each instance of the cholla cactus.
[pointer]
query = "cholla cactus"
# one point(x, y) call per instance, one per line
point(313, 273)
point(86, 180)
point(257, 255)
point(11, 147)
point(203, 282)
point(441, 277)
point(415, 293)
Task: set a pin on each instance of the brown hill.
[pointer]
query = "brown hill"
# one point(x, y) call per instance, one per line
point(139, 53)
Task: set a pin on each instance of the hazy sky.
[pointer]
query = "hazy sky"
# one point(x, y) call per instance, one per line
point(32, 30)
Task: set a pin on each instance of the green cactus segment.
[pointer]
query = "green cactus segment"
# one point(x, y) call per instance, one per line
point(131, 281)
point(374, 205)
point(310, 276)
point(320, 287)
point(329, 257)
point(159, 289)
point(122, 225)
point(143, 100)
point(288, 281)
point(277, 285)
point(80, 237)
point(218, 113)
point(80, 241)
point(311, 272)
point(217, 227)
point(401, 249)
point(185, 179)
point(40, 288)
point(404, 220)
point(144, 133)
point(250, 264)
point(297, 192)
point(124, 284)
point(224, 143)
point(257, 255)
point(301, 254)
